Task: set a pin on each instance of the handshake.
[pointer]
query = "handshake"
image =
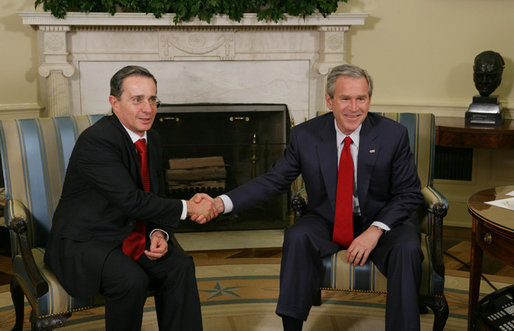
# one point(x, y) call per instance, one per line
point(201, 208)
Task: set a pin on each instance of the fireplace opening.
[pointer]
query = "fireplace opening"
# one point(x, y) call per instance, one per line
point(213, 148)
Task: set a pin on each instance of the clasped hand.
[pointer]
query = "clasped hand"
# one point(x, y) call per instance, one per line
point(201, 208)
point(158, 246)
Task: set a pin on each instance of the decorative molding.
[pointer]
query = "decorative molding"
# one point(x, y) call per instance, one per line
point(65, 68)
point(59, 28)
point(58, 96)
point(56, 68)
point(202, 45)
point(332, 47)
point(20, 110)
point(141, 19)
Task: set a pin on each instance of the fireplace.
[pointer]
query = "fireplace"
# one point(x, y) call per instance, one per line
point(214, 148)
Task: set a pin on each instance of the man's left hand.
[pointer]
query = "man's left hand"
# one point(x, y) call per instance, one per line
point(361, 247)
point(158, 246)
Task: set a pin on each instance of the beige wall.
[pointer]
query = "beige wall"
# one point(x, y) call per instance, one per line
point(419, 52)
point(18, 58)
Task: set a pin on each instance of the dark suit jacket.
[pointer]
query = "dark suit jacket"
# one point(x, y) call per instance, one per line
point(102, 198)
point(387, 181)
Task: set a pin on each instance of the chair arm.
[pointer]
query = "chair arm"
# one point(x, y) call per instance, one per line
point(16, 219)
point(298, 203)
point(437, 206)
point(435, 201)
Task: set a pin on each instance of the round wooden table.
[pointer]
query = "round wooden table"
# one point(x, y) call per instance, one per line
point(493, 232)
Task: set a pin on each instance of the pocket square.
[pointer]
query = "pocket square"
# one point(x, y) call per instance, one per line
point(371, 151)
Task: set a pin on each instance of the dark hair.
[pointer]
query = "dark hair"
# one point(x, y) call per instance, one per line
point(117, 79)
point(347, 70)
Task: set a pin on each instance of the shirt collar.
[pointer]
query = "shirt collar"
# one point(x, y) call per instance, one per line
point(134, 136)
point(355, 135)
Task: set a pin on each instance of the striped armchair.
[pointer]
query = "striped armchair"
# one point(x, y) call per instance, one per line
point(35, 154)
point(339, 275)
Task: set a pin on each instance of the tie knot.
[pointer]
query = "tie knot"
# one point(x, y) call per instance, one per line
point(348, 141)
point(141, 145)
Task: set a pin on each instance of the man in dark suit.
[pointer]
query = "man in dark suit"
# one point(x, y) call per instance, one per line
point(113, 193)
point(386, 194)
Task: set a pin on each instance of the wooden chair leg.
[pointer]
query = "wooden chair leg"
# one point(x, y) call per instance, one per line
point(48, 323)
point(439, 306)
point(18, 302)
point(45, 324)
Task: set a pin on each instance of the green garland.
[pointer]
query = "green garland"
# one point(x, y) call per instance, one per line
point(267, 10)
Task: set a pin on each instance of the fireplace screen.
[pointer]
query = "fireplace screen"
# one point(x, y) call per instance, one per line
point(214, 148)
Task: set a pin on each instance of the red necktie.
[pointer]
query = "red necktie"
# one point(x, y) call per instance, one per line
point(343, 221)
point(134, 244)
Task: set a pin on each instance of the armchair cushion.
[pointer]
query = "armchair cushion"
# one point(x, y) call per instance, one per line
point(339, 274)
point(56, 301)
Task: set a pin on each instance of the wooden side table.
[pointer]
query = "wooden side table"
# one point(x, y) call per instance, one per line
point(493, 232)
point(452, 132)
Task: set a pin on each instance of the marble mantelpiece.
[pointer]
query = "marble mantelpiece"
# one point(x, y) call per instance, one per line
point(224, 61)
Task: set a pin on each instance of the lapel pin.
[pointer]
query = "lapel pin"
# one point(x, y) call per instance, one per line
point(371, 151)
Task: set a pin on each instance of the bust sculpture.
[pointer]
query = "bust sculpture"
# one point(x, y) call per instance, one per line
point(487, 72)
point(487, 75)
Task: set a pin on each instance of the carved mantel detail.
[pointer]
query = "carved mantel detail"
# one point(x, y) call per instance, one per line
point(56, 69)
point(197, 45)
point(332, 47)
point(134, 37)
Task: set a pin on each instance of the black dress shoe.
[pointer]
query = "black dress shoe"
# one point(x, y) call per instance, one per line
point(291, 324)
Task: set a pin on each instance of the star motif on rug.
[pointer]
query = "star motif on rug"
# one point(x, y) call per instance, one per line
point(220, 290)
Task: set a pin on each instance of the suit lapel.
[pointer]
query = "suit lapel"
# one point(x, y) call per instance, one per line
point(132, 153)
point(369, 148)
point(327, 155)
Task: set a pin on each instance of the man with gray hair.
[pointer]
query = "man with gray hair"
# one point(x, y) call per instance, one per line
point(363, 191)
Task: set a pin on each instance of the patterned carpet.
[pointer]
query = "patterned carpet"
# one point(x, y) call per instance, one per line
point(243, 297)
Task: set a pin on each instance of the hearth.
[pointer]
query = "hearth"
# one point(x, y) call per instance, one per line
point(214, 148)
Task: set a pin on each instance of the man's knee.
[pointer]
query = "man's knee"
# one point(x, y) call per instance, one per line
point(187, 264)
point(406, 256)
point(295, 234)
point(130, 283)
point(180, 263)
point(409, 248)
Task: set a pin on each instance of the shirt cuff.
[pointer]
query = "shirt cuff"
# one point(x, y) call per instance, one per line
point(229, 206)
point(165, 233)
point(381, 225)
point(184, 210)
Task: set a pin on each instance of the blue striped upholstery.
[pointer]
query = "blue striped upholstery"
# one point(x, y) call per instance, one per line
point(338, 274)
point(35, 154)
